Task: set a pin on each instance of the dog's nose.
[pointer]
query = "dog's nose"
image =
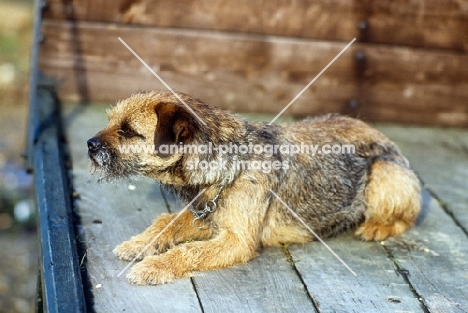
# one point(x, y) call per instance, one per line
point(94, 144)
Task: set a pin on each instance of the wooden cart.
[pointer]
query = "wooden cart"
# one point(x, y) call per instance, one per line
point(409, 65)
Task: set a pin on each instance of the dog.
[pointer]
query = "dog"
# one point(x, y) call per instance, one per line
point(237, 204)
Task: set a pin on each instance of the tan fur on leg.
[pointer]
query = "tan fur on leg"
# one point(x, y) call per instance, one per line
point(224, 250)
point(180, 231)
point(235, 242)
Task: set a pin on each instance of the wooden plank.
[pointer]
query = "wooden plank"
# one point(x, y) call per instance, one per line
point(430, 254)
point(428, 23)
point(439, 157)
point(251, 73)
point(434, 258)
point(110, 214)
point(203, 64)
point(81, 123)
point(418, 23)
point(415, 272)
point(382, 284)
point(438, 250)
point(377, 286)
point(265, 284)
point(62, 288)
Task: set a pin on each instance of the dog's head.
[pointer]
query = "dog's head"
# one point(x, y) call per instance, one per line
point(139, 135)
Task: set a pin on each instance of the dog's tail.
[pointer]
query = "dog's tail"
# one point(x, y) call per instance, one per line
point(393, 199)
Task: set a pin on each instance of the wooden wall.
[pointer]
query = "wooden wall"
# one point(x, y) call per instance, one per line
point(409, 64)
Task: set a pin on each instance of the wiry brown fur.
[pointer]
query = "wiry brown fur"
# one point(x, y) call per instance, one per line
point(372, 188)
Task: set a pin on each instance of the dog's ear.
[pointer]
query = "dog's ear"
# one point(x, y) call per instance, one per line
point(175, 125)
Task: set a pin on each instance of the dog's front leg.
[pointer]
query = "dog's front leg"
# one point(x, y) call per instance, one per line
point(226, 249)
point(239, 219)
point(155, 241)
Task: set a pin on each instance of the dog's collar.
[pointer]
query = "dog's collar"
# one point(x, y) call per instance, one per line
point(210, 207)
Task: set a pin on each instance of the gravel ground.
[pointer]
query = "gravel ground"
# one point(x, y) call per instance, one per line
point(18, 271)
point(18, 243)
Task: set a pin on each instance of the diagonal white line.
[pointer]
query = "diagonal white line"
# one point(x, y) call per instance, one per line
point(162, 81)
point(161, 232)
point(312, 81)
point(313, 233)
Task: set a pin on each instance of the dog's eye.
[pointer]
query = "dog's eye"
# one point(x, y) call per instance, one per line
point(127, 132)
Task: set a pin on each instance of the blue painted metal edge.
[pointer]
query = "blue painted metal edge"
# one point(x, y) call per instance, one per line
point(61, 281)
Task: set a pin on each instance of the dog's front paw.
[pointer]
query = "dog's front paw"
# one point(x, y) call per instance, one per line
point(152, 271)
point(134, 250)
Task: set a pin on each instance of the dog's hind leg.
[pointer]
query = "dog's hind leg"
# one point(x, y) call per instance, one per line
point(393, 198)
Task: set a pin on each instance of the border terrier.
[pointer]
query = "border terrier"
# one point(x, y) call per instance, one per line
point(372, 189)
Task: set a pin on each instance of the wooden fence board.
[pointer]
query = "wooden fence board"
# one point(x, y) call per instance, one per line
point(251, 73)
point(428, 23)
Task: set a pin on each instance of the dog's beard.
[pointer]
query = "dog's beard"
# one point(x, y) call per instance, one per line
point(109, 168)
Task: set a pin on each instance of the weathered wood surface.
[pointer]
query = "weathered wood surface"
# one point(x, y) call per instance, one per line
point(424, 270)
point(430, 258)
point(377, 287)
point(427, 23)
point(434, 258)
point(266, 284)
point(435, 254)
point(259, 74)
point(109, 215)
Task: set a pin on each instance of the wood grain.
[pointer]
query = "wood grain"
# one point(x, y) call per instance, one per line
point(109, 215)
point(438, 249)
point(246, 73)
point(431, 255)
point(428, 23)
point(377, 286)
point(266, 284)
